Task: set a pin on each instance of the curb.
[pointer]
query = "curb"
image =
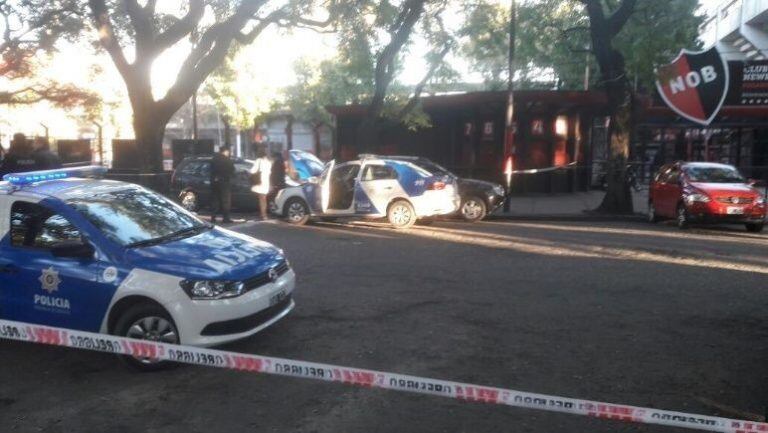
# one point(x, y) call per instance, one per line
point(586, 216)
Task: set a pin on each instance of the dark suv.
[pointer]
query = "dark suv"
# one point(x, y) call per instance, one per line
point(191, 183)
point(478, 197)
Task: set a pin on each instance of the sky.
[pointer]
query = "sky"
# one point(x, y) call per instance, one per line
point(269, 60)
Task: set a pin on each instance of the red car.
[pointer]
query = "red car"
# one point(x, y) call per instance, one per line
point(705, 192)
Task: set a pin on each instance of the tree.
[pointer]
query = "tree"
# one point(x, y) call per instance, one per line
point(373, 38)
point(217, 25)
point(31, 29)
point(624, 39)
point(554, 43)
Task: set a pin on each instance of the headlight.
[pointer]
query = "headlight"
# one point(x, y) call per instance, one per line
point(210, 290)
point(760, 200)
point(498, 189)
point(693, 198)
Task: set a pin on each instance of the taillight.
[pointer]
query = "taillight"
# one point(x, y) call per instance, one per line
point(437, 186)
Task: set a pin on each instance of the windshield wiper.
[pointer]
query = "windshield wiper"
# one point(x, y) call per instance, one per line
point(180, 234)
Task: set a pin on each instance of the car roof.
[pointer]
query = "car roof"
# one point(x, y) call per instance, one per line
point(706, 165)
point(65, 189)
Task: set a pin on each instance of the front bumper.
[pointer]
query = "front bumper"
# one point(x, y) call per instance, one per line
point(717, 212)
point(210, 323)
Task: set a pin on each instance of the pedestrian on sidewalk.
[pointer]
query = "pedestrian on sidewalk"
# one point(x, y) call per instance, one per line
point(222, 171)
point(262, 171)
point(277, 176)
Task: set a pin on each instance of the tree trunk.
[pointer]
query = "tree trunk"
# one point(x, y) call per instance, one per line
point(367, 135)
point(149, 141)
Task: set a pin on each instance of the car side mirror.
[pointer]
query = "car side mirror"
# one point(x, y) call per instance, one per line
point(73, 250)
point(752, 182)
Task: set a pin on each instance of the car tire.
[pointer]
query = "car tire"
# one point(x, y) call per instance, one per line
point(190, 201)
point(147, 322)
point(653, 217)
point(473, 209)
point(682, 217)
point(755, 227)
point(296, 211)
point(401, 214)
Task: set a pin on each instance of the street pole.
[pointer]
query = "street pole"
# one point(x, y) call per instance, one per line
point(509, 136)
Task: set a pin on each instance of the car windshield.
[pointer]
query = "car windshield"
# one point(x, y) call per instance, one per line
point(714, 174)
point(135, 217)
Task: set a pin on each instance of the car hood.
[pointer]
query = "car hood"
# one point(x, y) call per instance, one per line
point(477, 184)
point(216, 254)
point(724, 188)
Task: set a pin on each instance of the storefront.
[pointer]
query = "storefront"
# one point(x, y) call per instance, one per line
point(553, 128)
point(706, 109)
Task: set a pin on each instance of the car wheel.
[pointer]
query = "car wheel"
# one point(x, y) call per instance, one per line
point(147, 322)
point(682, 216)
point(755, 227)
point(652, 216)
point(473, 209)
point(296, 211)
point(401, 215)
point(190, 201)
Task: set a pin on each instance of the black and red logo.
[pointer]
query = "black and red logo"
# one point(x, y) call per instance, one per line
point(695, 84)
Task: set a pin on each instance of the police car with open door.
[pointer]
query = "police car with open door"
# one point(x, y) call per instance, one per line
point(113, 257)
point(371, 187)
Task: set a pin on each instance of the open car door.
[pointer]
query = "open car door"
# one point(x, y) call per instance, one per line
point(325, 186)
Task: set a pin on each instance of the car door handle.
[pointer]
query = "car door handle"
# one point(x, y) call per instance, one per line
point(9, 269)
point(386, 187)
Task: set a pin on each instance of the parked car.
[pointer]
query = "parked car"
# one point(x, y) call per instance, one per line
point(191, 183)
point(478, 197)
point(705, 192)
point(371, 187)
point(112, 257)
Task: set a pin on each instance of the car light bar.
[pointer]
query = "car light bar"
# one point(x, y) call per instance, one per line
point(64, 173)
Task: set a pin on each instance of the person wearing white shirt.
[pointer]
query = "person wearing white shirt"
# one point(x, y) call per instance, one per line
point(261, 173)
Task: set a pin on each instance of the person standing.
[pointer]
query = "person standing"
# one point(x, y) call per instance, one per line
point(222, 171)
point(19, 157)
point(262, 173)
point(277, 177)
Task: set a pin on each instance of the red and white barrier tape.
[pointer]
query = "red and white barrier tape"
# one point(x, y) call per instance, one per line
point(368, 378)
point(546, 169)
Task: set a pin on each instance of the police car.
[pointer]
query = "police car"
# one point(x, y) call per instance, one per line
point(373, 186)
point(111, 257)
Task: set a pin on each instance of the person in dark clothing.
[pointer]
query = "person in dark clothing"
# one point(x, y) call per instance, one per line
point(44, 158)
point(276, 176)
point(222, 171)
point(19, 158)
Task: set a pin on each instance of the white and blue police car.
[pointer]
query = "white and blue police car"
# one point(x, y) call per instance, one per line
point(96, 255)
point(372, 187)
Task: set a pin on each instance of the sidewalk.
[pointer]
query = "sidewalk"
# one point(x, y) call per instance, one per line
point(576, 205)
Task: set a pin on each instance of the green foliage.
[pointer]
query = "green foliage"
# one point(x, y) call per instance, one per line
point(553, 40)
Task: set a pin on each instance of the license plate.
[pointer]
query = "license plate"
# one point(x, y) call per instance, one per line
point(734, 210)
point(277, 298)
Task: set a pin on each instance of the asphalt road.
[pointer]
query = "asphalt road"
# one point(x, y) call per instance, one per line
point(621, 312)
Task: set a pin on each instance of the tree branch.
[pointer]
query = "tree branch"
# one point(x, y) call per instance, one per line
point(182, 27)
point(103, 24)
point(620, 17)
point(419, 89)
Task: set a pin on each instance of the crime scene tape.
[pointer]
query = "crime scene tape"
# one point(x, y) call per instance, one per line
point(545, 170)
point(368, 378)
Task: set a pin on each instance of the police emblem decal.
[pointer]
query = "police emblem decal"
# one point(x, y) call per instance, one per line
point(49, 279)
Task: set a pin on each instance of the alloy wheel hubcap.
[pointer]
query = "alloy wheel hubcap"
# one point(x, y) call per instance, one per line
point(681, 216)
point(189, 201)
point(153, 329)
point(651, 212)
point(471, 209)
point(296, 211)
point(401, 215)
